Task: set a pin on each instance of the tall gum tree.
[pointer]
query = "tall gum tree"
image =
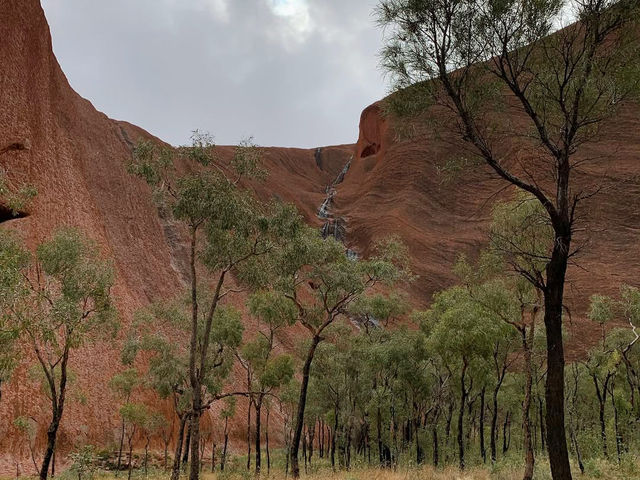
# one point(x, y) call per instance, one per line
point(266, 369)
point(519, 242)
point(318, 278)
point(160, 333)
point(64, 302)
point(231, 234)
point(463, 55)
point(13, 260)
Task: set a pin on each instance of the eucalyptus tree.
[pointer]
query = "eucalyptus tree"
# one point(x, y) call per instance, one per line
point(373, 313)
point(602, 363)
point(266, 371)
point(464, 335)
point(230, 235)
point(226, 413)
point(160, 331)
point(519, 238)
point(625, 309)
point(575, 407)
point(123, 384)
point(381, 379)
point(327, 389)
point(409, 354)
point(155, 423)
point(514, 303)
point(134, 416)
point(613, 349)
point(318, 278)
point(464, 54)
point(64, 302)
point(13, 262)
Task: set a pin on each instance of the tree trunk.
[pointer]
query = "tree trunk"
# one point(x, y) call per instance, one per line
point(436, 454)
point(494, 426)
point(553, 303)
point(419, 451)
point(213, 457)
point(312, 435)
point(130, 468)
point(379, 435)
point(194, 471)
point(602, 399)
point(506, 433)
point(543, 435)
point(348, 450)
point(333, 438)
point(526, 405)
point(175, 471)
point(146, 456)
point(463, 400)
point(57, 408)
point(258, 407)
point(615, 423)
point(193, 435)
point(302, 401)
point(483, 449)
point(226, 444)
point(249, 431)
point(578, 454)
point(52, 434)
point(304, 450)
point(266, 441)
point(187, 445)
point(120, 449)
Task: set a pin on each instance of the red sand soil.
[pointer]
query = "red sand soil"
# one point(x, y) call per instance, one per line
point(76, 157)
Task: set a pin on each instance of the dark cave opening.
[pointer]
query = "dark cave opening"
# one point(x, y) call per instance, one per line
point(370, 150)
point(7, 214)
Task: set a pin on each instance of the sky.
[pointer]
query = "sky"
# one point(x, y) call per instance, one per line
point(286, 72)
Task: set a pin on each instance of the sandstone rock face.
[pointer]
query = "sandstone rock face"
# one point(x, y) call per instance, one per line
point(75, 156)
point(399, 187)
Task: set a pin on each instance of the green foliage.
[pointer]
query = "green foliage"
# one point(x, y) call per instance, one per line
point(229, 409)
point(58, 300)
point(124, 382)
point(161, 331)
point(380, 307)
point(136, 415)
point(601, 309)
point(522, 234)
point(273, 308)
point(77, 295)
point(277, 371)
point(84, 462)
point(26, 427)
point(13, 261)
point(463, 327)
point(15, 198)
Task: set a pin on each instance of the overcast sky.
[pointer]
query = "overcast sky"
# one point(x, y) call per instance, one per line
point(287, 72)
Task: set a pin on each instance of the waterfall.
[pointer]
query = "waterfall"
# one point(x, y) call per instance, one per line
point(334, 227)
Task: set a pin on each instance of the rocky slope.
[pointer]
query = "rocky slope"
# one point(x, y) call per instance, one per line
point(75, 157)
point(396, 186)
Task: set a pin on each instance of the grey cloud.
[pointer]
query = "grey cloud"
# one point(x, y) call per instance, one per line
point(232, 67)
